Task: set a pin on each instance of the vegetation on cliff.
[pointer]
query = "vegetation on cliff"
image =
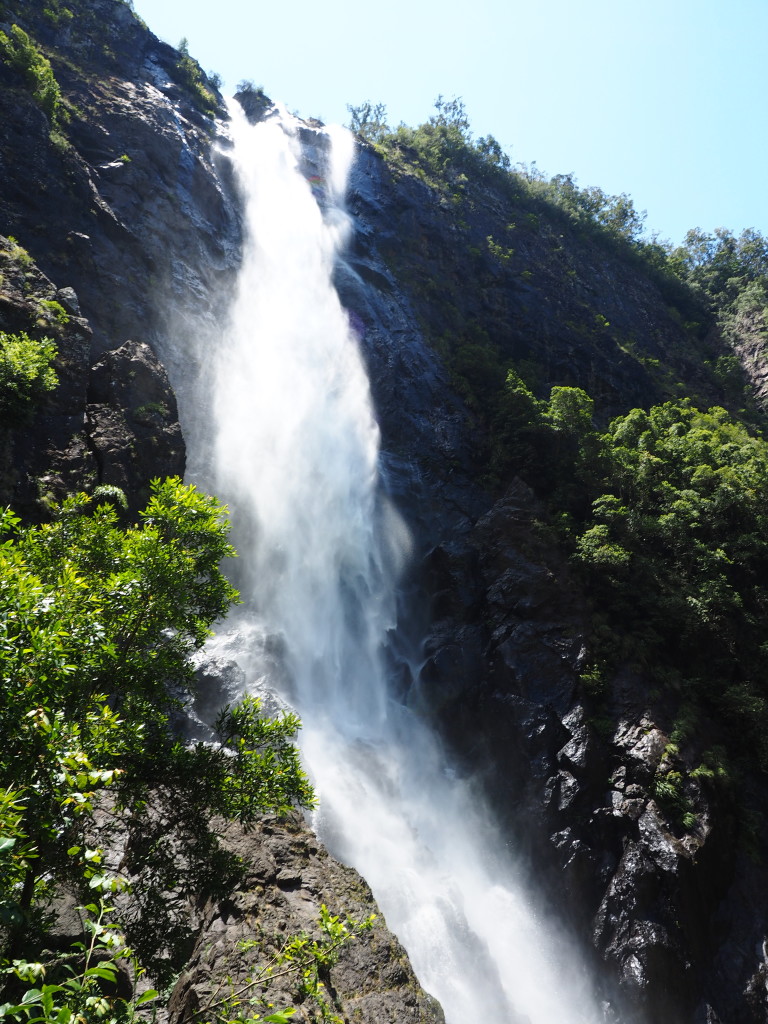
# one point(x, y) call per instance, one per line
point(97, 628)
point(20, 54)
point(661, 506)
point(95, 36)
point(665, 513)
point(26, 376)
point(527, 242)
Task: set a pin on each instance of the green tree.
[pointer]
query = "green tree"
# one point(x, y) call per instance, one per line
point(192, 78)
point(26, 376)
point(677, 559)
point(97, 627)
point(617, 214)
point(570, 411)
point(369, 121)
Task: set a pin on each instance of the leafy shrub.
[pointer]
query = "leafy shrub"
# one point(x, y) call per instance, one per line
point(676, 560)
point(246, 85)
point(26, 376)
point(369, 121)
point(97, 628)
point(191, 77)
point(18, 254)
point(21, 54)
point(56, 14)
point(56, 310)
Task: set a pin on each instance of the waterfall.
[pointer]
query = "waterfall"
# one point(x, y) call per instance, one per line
point(295, 448)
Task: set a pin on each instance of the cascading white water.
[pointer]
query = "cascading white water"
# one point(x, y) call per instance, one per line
point(295, 455)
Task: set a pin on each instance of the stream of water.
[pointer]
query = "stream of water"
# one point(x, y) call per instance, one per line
point(295, 447)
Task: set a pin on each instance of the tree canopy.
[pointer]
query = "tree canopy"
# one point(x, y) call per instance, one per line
point(98, 623)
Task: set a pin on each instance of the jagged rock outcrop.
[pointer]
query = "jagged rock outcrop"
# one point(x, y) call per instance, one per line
point(134, 168)
point(288, 876)
point(133, 424)
point(116, 425)
point(215, 936)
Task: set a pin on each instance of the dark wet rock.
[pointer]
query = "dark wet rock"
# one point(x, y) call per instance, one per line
point(219, 683)
point(130, 211)
point(133, 421)
point(127, 438)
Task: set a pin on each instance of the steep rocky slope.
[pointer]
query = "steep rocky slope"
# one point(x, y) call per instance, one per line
point(666, 908)
point(132, 213)
point(132, 167)
point(115, 423)
point(288, 877)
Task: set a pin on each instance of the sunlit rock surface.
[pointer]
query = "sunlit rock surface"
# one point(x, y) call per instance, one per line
point(288, 876)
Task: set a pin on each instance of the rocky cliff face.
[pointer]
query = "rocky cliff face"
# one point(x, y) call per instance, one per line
point(288, 878)
point(133, 169)
point(115, 424)
point(662, 907)
point(94, 205)
point(133, 215)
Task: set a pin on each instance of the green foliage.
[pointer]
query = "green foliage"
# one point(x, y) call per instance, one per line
point(616, 214)
point(149, 411)
point(369, 121)
point(249, 87)
point(26, 376)
point(18, 254)
point(303, 959)
point(570, 411)
point(82, 976)
point(676, 558)
point(97, 627)
point(56, 310)
point(500, 252)
point(56, 14)
point(492, 153)
point(522, 441)
point(729, 275)
point(108, 492)
point(551, 444)
point(132, 605)
point(442, 146)
point(191, 76)
point(721, 265)
point(21, 54)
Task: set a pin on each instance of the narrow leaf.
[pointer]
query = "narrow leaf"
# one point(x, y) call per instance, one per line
point(147, 996)
point(107, 973)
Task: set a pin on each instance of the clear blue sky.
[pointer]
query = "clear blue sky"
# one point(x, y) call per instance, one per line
point(666, 100)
